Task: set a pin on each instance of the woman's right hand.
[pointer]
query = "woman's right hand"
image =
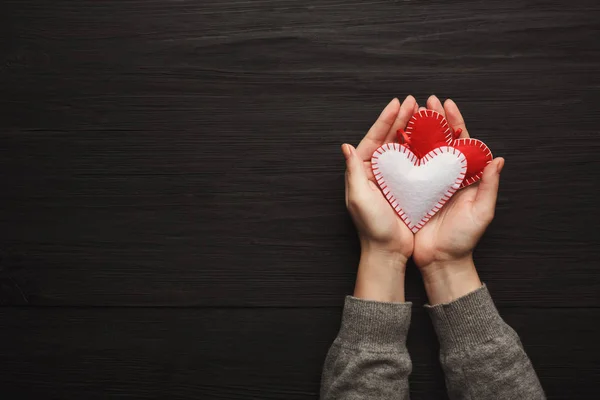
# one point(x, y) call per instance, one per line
point(444, 246)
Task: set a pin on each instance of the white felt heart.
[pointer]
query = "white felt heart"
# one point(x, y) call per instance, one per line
point(417, 188)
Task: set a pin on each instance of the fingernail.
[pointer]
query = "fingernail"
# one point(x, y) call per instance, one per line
point(387, 108)
point(500, 166)
point(346, 150)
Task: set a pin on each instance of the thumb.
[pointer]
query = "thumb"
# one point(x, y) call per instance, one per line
point(487, 192)
point(356, 177)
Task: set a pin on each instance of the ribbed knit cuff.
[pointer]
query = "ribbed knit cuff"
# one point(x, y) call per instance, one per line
point(466, 321)
point(374, 326)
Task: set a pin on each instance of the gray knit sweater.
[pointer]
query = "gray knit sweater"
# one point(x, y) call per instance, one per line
point(481, 355)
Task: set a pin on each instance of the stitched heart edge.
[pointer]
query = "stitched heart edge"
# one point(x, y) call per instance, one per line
point(444, 126)
point(447, 131)
point(474, 142)
point(417, 162)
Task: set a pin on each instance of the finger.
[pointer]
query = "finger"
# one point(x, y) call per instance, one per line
point(422, 109)
point(346, 182)
point(369, 170)
point(455, 118)
point(356, 176)
point(406, 111)
point(487, 191)
point(378, 132)
point(433, 103)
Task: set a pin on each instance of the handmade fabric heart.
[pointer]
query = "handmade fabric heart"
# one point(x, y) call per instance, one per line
point(428, 130)
point(418, 187)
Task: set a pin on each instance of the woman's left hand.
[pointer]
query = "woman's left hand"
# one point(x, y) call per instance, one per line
point(386, 242)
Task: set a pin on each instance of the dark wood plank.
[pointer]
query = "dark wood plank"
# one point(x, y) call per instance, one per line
point(167, 153)
point(245, 353)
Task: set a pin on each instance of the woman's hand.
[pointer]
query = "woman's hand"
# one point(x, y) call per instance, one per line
point(443, 248)
point(386, 242)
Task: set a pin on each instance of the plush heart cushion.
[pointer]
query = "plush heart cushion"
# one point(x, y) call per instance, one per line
point(418, 187)
point(428, 129)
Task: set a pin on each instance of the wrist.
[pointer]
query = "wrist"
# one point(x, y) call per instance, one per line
point(448, 280)
point(380, 275)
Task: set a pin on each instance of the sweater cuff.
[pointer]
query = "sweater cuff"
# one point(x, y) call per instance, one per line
point(466, 321)
point(374, 326)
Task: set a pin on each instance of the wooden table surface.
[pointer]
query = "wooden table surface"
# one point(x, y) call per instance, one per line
point(171, 215)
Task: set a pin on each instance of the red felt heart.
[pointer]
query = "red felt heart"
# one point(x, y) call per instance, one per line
point(428, 130)
point(478, 156)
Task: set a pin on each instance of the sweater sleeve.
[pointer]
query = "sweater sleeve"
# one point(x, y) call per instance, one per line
point(368, 359)
point(481, 355)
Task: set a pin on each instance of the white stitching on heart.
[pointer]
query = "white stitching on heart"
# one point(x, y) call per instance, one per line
point(450, 141)
point(443, 124)
point(471, 141)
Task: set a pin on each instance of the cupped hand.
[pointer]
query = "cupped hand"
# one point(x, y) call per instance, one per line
point(386, 242)
point(444, 246)
point(377, 223)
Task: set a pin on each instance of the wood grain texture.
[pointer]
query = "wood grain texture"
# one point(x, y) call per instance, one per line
point(164, 153)
point(195, 144)
point(245, 353)
point(183, 156)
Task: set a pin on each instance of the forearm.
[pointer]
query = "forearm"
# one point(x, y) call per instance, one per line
point(449, 280)
point(481, 355)
point(369, 359)
point(380, 275)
